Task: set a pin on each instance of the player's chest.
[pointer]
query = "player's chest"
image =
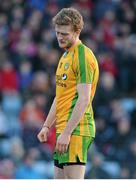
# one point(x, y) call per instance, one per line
point(64, 70)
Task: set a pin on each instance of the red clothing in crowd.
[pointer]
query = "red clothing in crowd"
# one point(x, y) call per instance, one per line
point(8, 80)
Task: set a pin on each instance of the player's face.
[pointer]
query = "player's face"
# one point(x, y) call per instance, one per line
point(65, 35)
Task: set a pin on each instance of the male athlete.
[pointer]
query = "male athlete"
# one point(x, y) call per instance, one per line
point(76, 80)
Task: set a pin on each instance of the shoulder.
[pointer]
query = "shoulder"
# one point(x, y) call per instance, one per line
point(82, 51)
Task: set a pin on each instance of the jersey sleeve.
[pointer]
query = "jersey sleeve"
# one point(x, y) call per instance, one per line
point(84, 66)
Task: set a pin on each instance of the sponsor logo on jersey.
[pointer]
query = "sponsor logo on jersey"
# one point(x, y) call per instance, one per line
point(64, 77)
point(60, 80)
point(61, 77)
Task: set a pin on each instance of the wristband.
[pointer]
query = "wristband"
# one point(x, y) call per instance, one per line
point(46, 126)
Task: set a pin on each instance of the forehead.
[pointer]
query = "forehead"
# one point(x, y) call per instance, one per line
point(63, 28)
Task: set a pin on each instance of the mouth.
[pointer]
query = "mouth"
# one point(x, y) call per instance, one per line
point(61, 41)
point(62, 44)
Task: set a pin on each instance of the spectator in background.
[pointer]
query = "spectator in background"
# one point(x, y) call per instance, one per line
point(25, 75)
point(11, 105)
point(9, 77)
point(40, 83)
point(107, 85)
point(31, 118)
point(26, 168)
point(107, 64)
point(7, 168)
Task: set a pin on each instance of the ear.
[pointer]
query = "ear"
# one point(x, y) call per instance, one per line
point(78, 32)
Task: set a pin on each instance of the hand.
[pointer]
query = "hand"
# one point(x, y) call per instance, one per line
point(43, 134)
point(63, 142)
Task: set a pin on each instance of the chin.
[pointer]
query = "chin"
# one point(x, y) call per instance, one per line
point(62, 46)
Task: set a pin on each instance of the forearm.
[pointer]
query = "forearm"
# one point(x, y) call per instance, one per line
point(51, 115)
point(76, 116)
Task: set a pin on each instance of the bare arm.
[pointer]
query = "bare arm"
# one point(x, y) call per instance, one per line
point(51, 115)
point(43, 134)
point(84, 93)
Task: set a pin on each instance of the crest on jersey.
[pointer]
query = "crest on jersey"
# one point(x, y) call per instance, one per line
point(66, 66)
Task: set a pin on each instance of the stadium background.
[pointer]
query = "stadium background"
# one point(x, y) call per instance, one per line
point(29, 55)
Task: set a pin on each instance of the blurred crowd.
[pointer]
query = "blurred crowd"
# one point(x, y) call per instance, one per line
point(29, 55)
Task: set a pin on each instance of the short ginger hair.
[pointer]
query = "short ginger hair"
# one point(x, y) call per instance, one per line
point(69, 16)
